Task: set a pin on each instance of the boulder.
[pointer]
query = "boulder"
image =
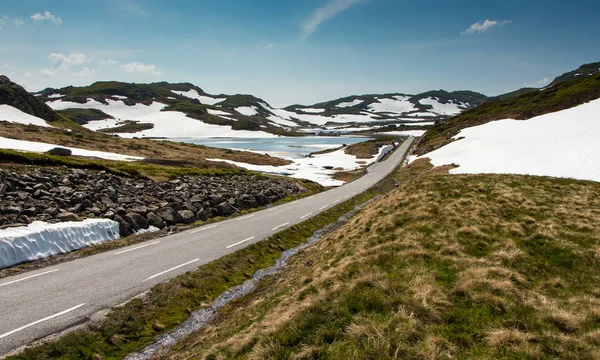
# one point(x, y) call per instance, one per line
point(136, 221)
point(187, 216)
point(224, 209)
point(58, 151)
point(203, 214)
point(85, 204)
point(124, 227)
point(156, 221)
point(67, 216)
point(170, 216)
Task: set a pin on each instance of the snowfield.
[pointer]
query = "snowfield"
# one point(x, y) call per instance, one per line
point(399, 105)
point(442, 109)
point(14, 115)
point(313, 168)
point(40, 147)
point(247, 110)
point(312, 111)
point(350, 103)
point(559, 144)
point(193, 94)
point(39, 240)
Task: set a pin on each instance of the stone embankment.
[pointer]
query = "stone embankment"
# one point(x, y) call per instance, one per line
point(61, 194)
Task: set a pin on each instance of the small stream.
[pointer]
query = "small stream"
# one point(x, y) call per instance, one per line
point(199, 318)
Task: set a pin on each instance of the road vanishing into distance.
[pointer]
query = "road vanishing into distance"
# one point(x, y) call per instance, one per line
point(36, 304)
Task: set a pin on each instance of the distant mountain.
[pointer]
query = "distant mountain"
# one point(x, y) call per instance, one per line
point(16, 96)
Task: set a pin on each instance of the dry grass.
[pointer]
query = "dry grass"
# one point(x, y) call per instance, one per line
point(486, 266)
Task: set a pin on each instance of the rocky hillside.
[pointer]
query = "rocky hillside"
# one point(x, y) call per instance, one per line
point(58, 194)
point(14, 95)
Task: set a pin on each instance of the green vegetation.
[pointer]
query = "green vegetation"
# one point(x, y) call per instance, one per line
point(473, 266)
point(368, 149)
point(128, 127)
point(84, 116)
point(130, 327)
point(562, 96)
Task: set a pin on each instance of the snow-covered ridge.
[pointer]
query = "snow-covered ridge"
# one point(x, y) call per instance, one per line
point(560, 144)
point(350, 103)
point(443, 109)
point(193, 94)
point(39, 240)
point(14, 115)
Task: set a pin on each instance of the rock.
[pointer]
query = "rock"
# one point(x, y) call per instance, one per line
point(60, 152)
point(109, 214)
point(67, 216)
point(86, 204)
point(12, 210)
point(203, 214)
point(156, 220)
point(3, 189)
point(51, 211)
point(216, 199)
point(32, 211)
point(224, 209)
point(175, 205)
point(248, 201)
point(187, 216)
point(169, 215)
point(136, 221)
point(124, 227)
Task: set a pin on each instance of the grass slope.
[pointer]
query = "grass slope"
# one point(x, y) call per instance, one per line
point(477, 266)
point(559, 97)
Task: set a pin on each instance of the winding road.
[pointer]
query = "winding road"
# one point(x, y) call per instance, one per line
point(36, 304)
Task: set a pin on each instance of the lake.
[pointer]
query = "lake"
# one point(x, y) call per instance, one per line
point(294, 147)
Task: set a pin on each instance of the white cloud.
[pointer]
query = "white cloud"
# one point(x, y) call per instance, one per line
point(270, 46)
point(61, 60)
point(4, 20)
point(47, 16)
point(324, 13)
point(18, 22)
point(2, 23)
point(483, 26)
point(140, 67)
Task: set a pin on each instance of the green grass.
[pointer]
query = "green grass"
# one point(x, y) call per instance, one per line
point(130, 327)
point(84, 116)
point(129, 127)
point(559, 97)
point(470, 266)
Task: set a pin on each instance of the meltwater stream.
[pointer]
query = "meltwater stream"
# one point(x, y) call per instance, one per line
point(199, 318)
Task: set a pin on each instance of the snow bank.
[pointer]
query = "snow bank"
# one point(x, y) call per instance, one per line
point(193, 94)
point(313, 168)
point(312, 111)
point(33, 146)
point(14, 115)
point(40, 240)
point(442, 109)
point(398, 104)
point(415, 133)
point(217, 112)
point(349, 104)
point(560, 144)
point(247, 110)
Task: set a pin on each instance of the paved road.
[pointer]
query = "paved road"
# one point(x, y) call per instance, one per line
point(38, 303)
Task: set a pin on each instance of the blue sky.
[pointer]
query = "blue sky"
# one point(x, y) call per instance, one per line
point(299, 51)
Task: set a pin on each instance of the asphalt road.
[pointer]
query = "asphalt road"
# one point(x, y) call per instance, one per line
point(36, 304)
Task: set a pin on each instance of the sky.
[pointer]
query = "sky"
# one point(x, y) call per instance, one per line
point(299, 51)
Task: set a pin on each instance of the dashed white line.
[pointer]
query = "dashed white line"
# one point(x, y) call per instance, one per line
point(347, 196)
point(203, 229)
point(245, 217)
point(136, 248)
point(41, 320)
point(323, 207)
point(29, 277)
point(280, 226)
point(241, 242)
point(354, 193)
point(304, 216)
point(171, 269)
point(337, 201)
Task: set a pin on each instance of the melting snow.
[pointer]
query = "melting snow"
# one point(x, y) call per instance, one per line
point(442, 109)
point(217, 112)
point(312, 111)
point(40, 240)
point(247, 110)
point(193, 94)
point(14, 115)
point(561, 144)
point(399, 105)
point(55, 96)
point(351, 103)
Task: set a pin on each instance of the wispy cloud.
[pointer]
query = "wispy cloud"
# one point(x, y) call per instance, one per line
point(325, 13)
point(47, 16)
point(61, 60)
point(4, 20)
point(141, 68)
point(483, 26)
point(542, 82)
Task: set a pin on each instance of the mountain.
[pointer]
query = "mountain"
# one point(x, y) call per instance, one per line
point(140, 110)
point(16, 96)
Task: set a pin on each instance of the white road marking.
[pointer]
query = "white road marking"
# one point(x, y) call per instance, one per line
point(337, 201)
point(280, 226)
point(136, 248)
point(244, 217)
point(323, 207)
point(347, 196)
point(241, 242)
point(203, 229)
point(307, 215)
point(29, 277)
point(41, 320)
point(171, 269)
point(354, 193)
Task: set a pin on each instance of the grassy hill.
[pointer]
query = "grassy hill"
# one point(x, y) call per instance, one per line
point(479, 266)
point(559, 97)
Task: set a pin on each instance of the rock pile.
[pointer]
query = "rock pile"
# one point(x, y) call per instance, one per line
point(60, 194)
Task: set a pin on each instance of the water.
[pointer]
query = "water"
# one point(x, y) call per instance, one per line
point(294, 147)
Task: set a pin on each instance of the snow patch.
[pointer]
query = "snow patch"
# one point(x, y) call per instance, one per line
point(217, 112)
point(39, 240)
point(398, 105)
point(442, 109)
point(33, 146)
point(560, 144)
point(351, 103)
point(14, 115)
point(247, 110)
point(193, 94)
point(312, 111)
point(55, 96)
